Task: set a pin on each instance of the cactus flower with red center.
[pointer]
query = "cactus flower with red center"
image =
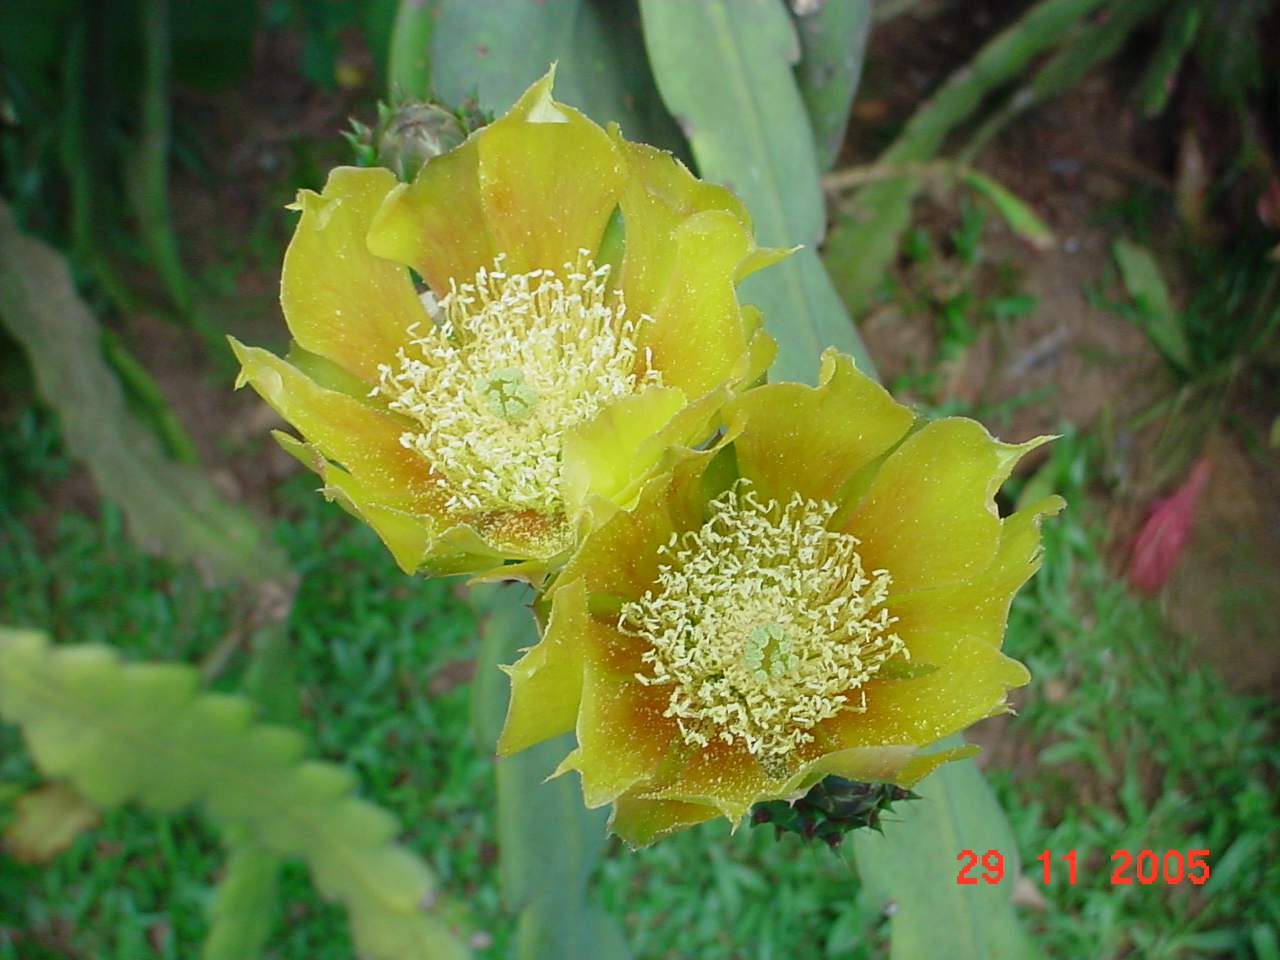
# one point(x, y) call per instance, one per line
point(578, 317)
point(824, 591)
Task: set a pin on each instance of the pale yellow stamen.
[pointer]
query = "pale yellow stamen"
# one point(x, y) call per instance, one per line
point(763, 623)
point(510, 363)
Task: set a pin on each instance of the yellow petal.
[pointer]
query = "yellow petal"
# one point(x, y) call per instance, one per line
point(365, 441)
point(340, 300)
point(721, 775)
point(640, 822)
point(811, 440)
point(609, 455)
point(622, 734)
point(928, 516)
point(868, 764)
point(919, 767)
point(406, 535)
point(698, 334)
point(549, 181)
point(608, 459)
point(761, 351)
point(546, 683)
point(660, 195)
point(932, 622)
point(970, 686)
point(436, 224)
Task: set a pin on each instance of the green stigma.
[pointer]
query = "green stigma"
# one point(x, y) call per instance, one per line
point(768, 652)
point(507, 394)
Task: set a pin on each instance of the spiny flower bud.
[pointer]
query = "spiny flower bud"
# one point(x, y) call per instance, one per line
point(410, 133)
point(832, 808)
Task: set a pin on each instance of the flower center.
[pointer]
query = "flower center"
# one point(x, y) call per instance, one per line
point(507, 394)
point(763, 623)
point(509, 363)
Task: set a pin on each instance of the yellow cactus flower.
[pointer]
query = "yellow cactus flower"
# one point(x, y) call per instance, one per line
point(824, 592)
point(578, 317)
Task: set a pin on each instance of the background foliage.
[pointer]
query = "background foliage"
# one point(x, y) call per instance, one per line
point(389, 675)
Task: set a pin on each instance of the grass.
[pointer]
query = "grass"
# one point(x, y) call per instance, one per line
point(1138, 747)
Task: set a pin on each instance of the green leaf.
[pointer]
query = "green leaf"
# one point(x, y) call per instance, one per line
point(1145, 284)
point(1094, 42)
point(549, 842)
point(243, 910)
point(1177, 34)
point(146, 401)
point(550, 846)
point(146, 175)
point(145, 733)
point(833, 43)
point(1085, 44)
point(1266, 945)
point(170, 507)
point(1021, 219)
point(493, 50)
point(724, 68)
point(915, 865)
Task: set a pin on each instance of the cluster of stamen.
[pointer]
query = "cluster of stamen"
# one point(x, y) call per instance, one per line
point(763, 623)
point(508, 364)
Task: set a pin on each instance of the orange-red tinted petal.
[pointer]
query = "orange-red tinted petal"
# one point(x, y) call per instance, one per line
point(365, 441)
point(622, 734)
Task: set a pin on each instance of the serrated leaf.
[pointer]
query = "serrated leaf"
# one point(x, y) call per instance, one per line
point(494, 49)
point(145, 733)
point(914, 864)
point(243, 910)
point(170, 507)
point(724, 68)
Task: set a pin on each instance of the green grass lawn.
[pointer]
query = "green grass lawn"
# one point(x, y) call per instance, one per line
point(1170, 758)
